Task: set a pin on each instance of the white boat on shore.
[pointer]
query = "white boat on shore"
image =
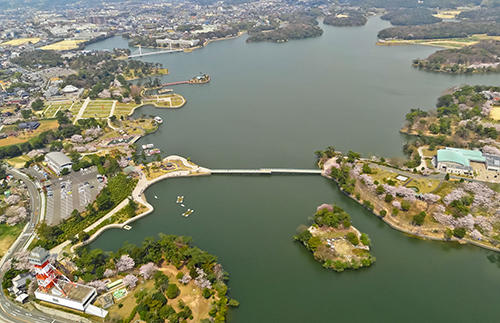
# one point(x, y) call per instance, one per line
point(158, 120)
point(147, 146)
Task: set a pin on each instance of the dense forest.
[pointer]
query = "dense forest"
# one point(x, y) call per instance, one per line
point(440, 30)
point(481, 57)
point(482, 14)
point(296, 26)
point(412, 16)
point(346, 18)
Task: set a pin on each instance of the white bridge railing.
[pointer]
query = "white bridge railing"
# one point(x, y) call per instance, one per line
point(266, 171)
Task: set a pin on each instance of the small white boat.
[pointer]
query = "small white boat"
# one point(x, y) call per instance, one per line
point(156, 197)
point(147, 146)
point(187, 213)
point(183, 205)
point(158, 120)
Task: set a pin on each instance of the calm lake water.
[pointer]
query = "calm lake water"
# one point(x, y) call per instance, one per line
point(273, 105)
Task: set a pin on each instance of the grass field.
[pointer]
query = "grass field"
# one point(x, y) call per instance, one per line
point(8, 235)
point(495, 113)
point(20, 41)
point(447, 14)
point(98, 109)
point(124, 109)
point(27, 135)
point(446, 43)
point(18, 162)
point(167, 101)
point(66, 44)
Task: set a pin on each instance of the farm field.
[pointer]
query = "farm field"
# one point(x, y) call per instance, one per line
point(495, 113)
point(66, 44)
point(20, 41)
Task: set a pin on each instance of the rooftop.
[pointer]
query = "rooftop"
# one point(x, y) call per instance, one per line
point(460, 156)
point(58, 158)
point(38, 255)
point(72, 290)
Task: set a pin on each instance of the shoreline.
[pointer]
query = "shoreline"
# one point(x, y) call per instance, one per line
point(138, 196)
point(416, 233)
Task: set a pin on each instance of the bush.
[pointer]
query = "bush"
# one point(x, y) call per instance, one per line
point(173, 291)
point(395, 212)
point(459, 232)
point(419, 218)
point(365, 239)
point(388, 198)
point(380, 190)
point(405, 205)
point(383, 213)
point(352, 238)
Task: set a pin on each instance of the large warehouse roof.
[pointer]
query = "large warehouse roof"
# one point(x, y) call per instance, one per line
point(459, 156)
point(58, 158)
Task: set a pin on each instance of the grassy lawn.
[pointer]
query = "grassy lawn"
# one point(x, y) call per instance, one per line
point(98, 109)
point(424, 185)
point(133, 74)
point(66, 44)
point(124, 109)
point(447, 14)
point(27, 135)
point(18, 162)
point(8, 235)
point(51, 110)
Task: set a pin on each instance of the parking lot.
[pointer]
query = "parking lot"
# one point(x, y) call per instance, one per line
point(73, 191)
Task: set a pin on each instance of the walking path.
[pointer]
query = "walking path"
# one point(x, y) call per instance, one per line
point(138, 197)
point(82, 110)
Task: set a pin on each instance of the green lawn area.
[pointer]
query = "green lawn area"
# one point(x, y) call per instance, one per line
point(123, 109)
point(19, 161)
point(98, 109)
point(53, 107)
point(8, 235)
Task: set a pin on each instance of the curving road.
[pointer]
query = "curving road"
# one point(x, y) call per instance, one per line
point(11, 312)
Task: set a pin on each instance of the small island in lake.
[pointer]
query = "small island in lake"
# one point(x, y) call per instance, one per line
point(334, 241)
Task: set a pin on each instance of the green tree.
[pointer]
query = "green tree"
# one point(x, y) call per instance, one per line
point(419, 218)
point(173, 291)
point(352, 238)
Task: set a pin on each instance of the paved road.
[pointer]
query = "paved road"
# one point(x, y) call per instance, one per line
point(11, 312)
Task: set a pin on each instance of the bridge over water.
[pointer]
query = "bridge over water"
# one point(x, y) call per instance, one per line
point(140, 54)
point(266, 171)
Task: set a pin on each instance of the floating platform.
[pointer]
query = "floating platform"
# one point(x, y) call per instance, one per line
point(127, 227)
point(180, 199)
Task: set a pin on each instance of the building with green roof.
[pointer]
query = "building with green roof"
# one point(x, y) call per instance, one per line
point(457, 161)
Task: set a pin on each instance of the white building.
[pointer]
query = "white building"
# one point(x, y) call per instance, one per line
point(180, 43)
point(58, 161)
point(55, 288)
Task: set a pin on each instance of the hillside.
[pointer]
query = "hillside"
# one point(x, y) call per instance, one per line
point(481, 57)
